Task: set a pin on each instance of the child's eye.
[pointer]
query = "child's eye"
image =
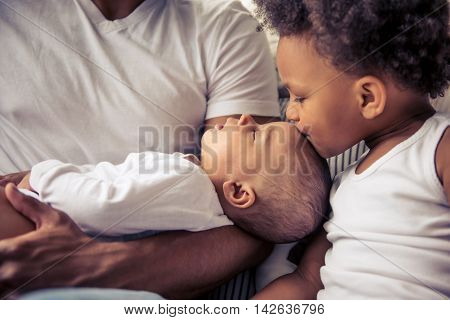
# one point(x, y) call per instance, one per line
point(299, 99)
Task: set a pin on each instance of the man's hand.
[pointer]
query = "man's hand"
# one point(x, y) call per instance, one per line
point(14, 178)
point(27, 261)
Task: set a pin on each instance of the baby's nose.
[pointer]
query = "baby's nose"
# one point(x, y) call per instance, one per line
point(246, 119)
point(292, 113)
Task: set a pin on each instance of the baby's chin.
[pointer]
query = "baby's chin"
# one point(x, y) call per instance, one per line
point(211, 169)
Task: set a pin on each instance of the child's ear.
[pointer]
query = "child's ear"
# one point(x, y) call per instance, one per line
point(371, 96)
point(239, 195)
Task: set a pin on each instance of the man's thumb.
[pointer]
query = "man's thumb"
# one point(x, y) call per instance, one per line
point(26, 205)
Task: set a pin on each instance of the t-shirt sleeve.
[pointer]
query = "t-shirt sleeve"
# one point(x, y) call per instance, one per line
point(240, 69)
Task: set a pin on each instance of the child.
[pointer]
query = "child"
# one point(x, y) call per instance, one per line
point(258, 171)
point(364, 70)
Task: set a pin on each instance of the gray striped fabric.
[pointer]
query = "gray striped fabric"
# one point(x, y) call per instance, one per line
point(341, 162)
point(242, 287)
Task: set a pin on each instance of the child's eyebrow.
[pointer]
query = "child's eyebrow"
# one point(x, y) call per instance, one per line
point(298, 87)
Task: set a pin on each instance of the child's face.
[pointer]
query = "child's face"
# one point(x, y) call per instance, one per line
point(241, 148)
point(322, 101)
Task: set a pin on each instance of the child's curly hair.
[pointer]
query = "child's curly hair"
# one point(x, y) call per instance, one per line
point(405, 39)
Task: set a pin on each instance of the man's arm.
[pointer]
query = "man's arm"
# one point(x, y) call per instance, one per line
point(304, 283)
point(175, 264)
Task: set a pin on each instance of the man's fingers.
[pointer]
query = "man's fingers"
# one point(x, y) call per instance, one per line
point(28, 206)
point(38, 212)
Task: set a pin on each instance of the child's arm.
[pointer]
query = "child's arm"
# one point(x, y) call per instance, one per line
point(443, 162)
point(304, 283)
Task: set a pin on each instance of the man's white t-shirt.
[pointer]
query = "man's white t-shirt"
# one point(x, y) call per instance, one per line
point(77, 87)
point(148, 191)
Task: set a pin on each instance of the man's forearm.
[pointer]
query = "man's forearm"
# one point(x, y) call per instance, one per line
point(174, 264)
point(177, 264)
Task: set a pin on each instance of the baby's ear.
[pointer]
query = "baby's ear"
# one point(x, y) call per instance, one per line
point(239, 195)
point(371, 96)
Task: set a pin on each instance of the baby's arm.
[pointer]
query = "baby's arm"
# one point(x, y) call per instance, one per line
point(119, 199)
point(12, 223)
point(304, 283)
point(94, 196)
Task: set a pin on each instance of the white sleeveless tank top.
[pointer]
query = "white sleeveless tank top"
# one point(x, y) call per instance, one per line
point(390, 227)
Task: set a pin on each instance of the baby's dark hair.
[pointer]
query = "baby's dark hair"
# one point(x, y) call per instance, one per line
point(405, 39)
point(290, 206)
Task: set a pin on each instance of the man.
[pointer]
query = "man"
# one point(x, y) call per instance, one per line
point(86, 81)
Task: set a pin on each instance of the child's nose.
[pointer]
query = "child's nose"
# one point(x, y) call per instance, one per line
point(246, 119)
point(292, 113)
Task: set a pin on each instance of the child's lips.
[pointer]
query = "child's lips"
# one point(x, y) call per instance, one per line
point(218, 126)
point(302, 131)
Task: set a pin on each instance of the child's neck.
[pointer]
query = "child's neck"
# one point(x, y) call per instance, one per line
point(395, 131)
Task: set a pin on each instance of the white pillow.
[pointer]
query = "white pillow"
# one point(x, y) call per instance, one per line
point(442, 103)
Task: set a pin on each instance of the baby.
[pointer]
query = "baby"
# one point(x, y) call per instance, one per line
point(265, 178)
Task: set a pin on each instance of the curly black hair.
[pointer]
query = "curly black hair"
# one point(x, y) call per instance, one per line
point(405, 39)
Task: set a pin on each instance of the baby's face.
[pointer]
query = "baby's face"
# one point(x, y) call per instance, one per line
point(243, 149)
